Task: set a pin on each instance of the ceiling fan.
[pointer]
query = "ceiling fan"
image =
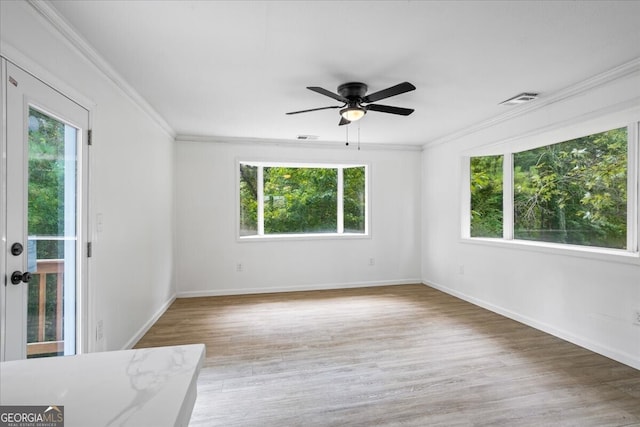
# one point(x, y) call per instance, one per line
point(353, 96)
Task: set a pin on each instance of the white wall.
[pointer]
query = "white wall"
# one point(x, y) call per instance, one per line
point(131, 273)
point(207, 249)
point(586, 299)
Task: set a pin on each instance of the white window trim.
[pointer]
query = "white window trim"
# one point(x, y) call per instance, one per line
point(633, 188)
point(508, 220)
point(590, 252)
point(630, 255)
point(340, 201)
point(260, 190)
point(340, 234)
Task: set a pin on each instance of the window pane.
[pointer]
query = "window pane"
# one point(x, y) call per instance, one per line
point(52, 233)
point(248, 200)
point(300, 200)
point(573, 192)
point(354, 199)
point(47, 183)
point(486, 196)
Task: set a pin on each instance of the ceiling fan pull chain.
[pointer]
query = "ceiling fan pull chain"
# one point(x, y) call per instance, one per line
point(358, 136)
point(347, 129)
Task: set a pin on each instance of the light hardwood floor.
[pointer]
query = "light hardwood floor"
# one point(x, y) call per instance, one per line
point(388, 356)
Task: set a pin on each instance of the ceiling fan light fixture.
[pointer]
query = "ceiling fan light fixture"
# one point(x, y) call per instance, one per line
point(353, 113)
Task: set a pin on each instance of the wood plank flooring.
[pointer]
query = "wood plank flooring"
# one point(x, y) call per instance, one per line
point(388, 356)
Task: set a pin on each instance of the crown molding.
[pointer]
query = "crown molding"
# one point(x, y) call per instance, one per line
point(572, 91)
point(294, 143)
point(76, 41)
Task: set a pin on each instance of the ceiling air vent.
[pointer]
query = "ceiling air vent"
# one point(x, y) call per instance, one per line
point(307, 137)
point(520, 99)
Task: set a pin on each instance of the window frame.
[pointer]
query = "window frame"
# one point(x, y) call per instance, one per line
point(507, 148)
point(339, 234)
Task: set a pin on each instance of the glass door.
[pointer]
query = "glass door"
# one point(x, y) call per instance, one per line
point(45, 228)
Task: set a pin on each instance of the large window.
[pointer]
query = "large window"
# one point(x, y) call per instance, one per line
point(573, 192)
point(294, 199)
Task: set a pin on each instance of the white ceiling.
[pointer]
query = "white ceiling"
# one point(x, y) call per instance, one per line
point(233, 68)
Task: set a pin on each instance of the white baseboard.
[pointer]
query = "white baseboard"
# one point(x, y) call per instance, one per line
point(315, 287)
point(606, 351)
point(145, 328)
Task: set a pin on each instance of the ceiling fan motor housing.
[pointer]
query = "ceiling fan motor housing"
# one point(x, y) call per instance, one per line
point(353, 91)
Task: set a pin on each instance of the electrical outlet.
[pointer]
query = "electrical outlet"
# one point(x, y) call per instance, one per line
point(239, 267)
point(372, 261)
point(636, 316)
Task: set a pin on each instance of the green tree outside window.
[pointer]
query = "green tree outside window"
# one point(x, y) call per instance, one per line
point(301, 200)
point(573, 192)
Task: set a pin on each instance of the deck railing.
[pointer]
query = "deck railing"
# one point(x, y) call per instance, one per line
point(41, 346)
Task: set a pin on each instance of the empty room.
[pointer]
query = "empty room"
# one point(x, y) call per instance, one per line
point(320, 213)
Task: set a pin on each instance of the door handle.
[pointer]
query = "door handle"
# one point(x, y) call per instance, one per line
point(17, 277)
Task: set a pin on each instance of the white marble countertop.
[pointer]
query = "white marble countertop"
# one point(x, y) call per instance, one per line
point(152, 387)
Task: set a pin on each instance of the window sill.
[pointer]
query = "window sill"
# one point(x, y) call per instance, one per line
point(588, 252)
point(299, 237)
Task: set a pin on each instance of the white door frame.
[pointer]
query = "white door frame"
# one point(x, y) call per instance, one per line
point(47, 95)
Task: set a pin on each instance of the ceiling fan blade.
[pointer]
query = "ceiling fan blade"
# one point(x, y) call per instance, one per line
point(330, 94)
point(343, 122)
point(391, 91)
point(390, 109)
point(314, 109)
